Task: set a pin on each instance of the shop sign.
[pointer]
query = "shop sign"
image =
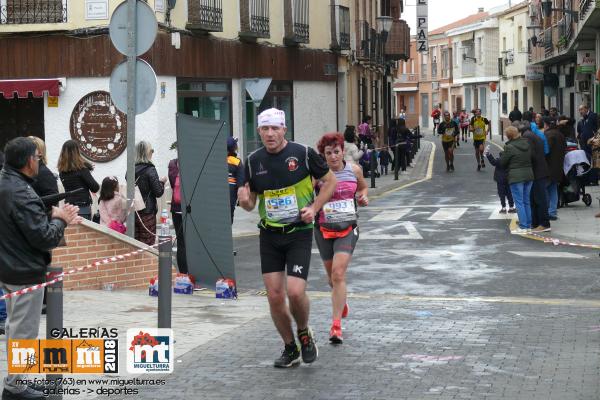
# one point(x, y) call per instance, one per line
point(586, 61)
point(534, 73)
point(52, 101)
point(422, 23)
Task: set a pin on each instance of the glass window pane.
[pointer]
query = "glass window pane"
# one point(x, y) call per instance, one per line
point(216, 87)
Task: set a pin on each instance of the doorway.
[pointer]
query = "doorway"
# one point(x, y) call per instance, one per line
point(21, 117)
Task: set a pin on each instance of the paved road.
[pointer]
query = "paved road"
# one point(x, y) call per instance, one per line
point(445, 304)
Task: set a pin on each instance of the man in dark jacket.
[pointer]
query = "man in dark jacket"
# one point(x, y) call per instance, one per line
point(28, 236)
point(586, 129)
point(540, 221)
point(515, 115)
point(1, 159)
point(555, 160)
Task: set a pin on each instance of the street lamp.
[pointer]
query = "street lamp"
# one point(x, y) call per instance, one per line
point(384, 25)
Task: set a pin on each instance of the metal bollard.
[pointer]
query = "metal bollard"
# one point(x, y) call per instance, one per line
point(165, 263)
point(373, 160)
point(54, 320)
point(396, 161)
point(418, 138)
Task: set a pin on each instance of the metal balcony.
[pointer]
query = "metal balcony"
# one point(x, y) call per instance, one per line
point(364, 43)
point(33, 11)
point(296, 22)
point(254, 19)
point(340, 39)
point(205, 15)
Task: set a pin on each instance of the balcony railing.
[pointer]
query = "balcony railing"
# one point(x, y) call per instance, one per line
point(548, 45)
point(205, 15)
point(468, 68)
point(407, 78)
point(340, 28)
point(584, 7)
point(364, 33)
point(254, 19)
point(424, 71)
point(397, 46)
point(33, 11)
point(296, 22)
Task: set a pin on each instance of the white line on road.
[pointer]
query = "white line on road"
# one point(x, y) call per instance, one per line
point(447, 214)
point(391, 215)
point(380, 233)
point(496, 215)
point(547, 254)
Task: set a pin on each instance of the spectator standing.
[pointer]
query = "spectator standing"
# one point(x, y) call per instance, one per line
point(151, 187)
point(351, 151)
point(235, 176)
point(45, 183)
point(516, 159)
point(566, 127)
point(464, 124)
point(365, 134)
point(76, 173)
point(515, 114)
point(539, 197)
point(586, 129)
point(402, 114)
point(385, 159)
point(555, 160)
point(111, 205)
point(533, 127)
point(176, 214)
point(24, 258)
point(501, 178)
point(403, 143)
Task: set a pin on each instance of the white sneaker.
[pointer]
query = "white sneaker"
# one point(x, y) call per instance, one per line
point(520, 231)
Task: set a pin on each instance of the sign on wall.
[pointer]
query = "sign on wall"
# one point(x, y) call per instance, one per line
point(586, 61)
point(534, 73)
point(422, 22)
point(99, 127)
point(96, 9)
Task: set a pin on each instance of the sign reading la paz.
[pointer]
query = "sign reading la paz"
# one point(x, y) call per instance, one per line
point(422, 17)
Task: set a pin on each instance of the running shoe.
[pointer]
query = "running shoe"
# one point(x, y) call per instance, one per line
point(452, 167)
point(478, 167)
point(345, 311)
point(335, 333)
point(520, 231)
point(502, 210)
point(482, 164)
point(310, 352)
point(447, 168)
point(541, 228)
point(512, 210)
point(290, 356)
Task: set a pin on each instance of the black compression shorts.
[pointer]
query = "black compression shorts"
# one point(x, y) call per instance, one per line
point(448, 145)
point(286, 252)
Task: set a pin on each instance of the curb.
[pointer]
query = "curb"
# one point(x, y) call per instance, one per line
point(513, 226)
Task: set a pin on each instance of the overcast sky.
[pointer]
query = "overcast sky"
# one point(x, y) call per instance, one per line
point(444, 12)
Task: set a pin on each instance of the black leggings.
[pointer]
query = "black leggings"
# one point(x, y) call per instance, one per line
point(181, 257)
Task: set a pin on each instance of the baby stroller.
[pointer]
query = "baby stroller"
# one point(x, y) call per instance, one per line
point(576, 167)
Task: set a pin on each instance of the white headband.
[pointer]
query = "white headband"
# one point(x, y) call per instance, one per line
point(271, 117)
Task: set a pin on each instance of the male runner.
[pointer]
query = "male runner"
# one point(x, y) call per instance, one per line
point(280, 175)
point(448, 128)
point(480, 126)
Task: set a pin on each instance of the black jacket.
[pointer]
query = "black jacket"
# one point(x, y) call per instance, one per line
point(1, 159)
point(150, 186)
point(556, 157)
point(538, 159)
point(79, 179)
point(500, 174)
point(45, 184)
point(515, 115)
point(27, 233)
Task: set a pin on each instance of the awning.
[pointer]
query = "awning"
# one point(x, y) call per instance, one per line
point(22, 87)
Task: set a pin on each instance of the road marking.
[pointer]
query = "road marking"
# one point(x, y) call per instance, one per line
point(392, 215)
point(380, 233)
point(428, 253)
point(547, 254)
point(447, 214)
point(496, 215)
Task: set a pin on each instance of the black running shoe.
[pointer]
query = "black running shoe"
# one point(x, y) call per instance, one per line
point(310, 352)
point(479, 167)
point(452, 167)
point(482, 164)
point(289, 357)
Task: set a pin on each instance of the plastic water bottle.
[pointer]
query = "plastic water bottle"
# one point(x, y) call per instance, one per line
point(164, 223)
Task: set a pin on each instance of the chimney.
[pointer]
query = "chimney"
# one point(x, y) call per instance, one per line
point(480, 9)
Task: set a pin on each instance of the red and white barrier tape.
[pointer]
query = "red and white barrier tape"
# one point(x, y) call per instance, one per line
point(558, 242)
point(59, 277)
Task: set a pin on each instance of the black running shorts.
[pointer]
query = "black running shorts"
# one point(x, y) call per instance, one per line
point(477, 143)
point(329, 247)
point(286, 252)
point(448, 145)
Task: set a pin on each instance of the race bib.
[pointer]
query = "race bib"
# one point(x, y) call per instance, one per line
point(281, 204)
point(339, 211)
point(449, 133)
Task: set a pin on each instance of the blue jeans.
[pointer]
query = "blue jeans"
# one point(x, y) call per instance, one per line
point(520, 192)
point(552, 190)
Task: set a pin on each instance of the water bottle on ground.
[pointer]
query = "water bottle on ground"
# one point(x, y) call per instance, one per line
point(164, 223)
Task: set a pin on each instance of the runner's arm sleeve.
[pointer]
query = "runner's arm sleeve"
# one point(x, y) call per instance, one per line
point(246, 177)
point(240, 175)
point(316, 164)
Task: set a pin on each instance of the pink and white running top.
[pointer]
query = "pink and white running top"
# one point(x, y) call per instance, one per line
point(340, 212)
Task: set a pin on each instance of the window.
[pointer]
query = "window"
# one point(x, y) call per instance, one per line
point(411, 104)
point(455, 53)
point(515, 99)
point(520, 45)
point(525, 100)
point(468, 105)
point(480, 50)
point(205, 99)
point(483, 101)
point(504, 104)
point(503, 43)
